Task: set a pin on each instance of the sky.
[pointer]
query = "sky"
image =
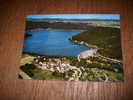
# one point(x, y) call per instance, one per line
point(76, 16)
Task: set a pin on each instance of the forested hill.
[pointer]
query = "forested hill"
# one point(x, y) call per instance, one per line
point(107, 39)
point(56, 25)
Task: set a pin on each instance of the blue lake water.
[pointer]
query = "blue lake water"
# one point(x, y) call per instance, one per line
point(53, 42)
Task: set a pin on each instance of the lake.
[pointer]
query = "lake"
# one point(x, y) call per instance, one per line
point(53, 42)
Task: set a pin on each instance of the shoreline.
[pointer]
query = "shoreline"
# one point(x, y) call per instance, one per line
point(50, 29)
point(95, 48)
point(36, 54)
point(83, 43)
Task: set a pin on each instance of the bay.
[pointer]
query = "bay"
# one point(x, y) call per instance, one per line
point(53, 42)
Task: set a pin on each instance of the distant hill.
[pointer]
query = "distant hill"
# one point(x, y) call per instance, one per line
point(69, 23)
point(56, 25)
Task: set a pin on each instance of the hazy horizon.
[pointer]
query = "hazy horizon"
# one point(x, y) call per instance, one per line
point(75, 16)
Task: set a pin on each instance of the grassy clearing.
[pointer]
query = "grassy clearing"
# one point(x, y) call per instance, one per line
point(25, 59)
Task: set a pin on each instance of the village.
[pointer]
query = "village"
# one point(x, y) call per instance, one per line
point(73, 69)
